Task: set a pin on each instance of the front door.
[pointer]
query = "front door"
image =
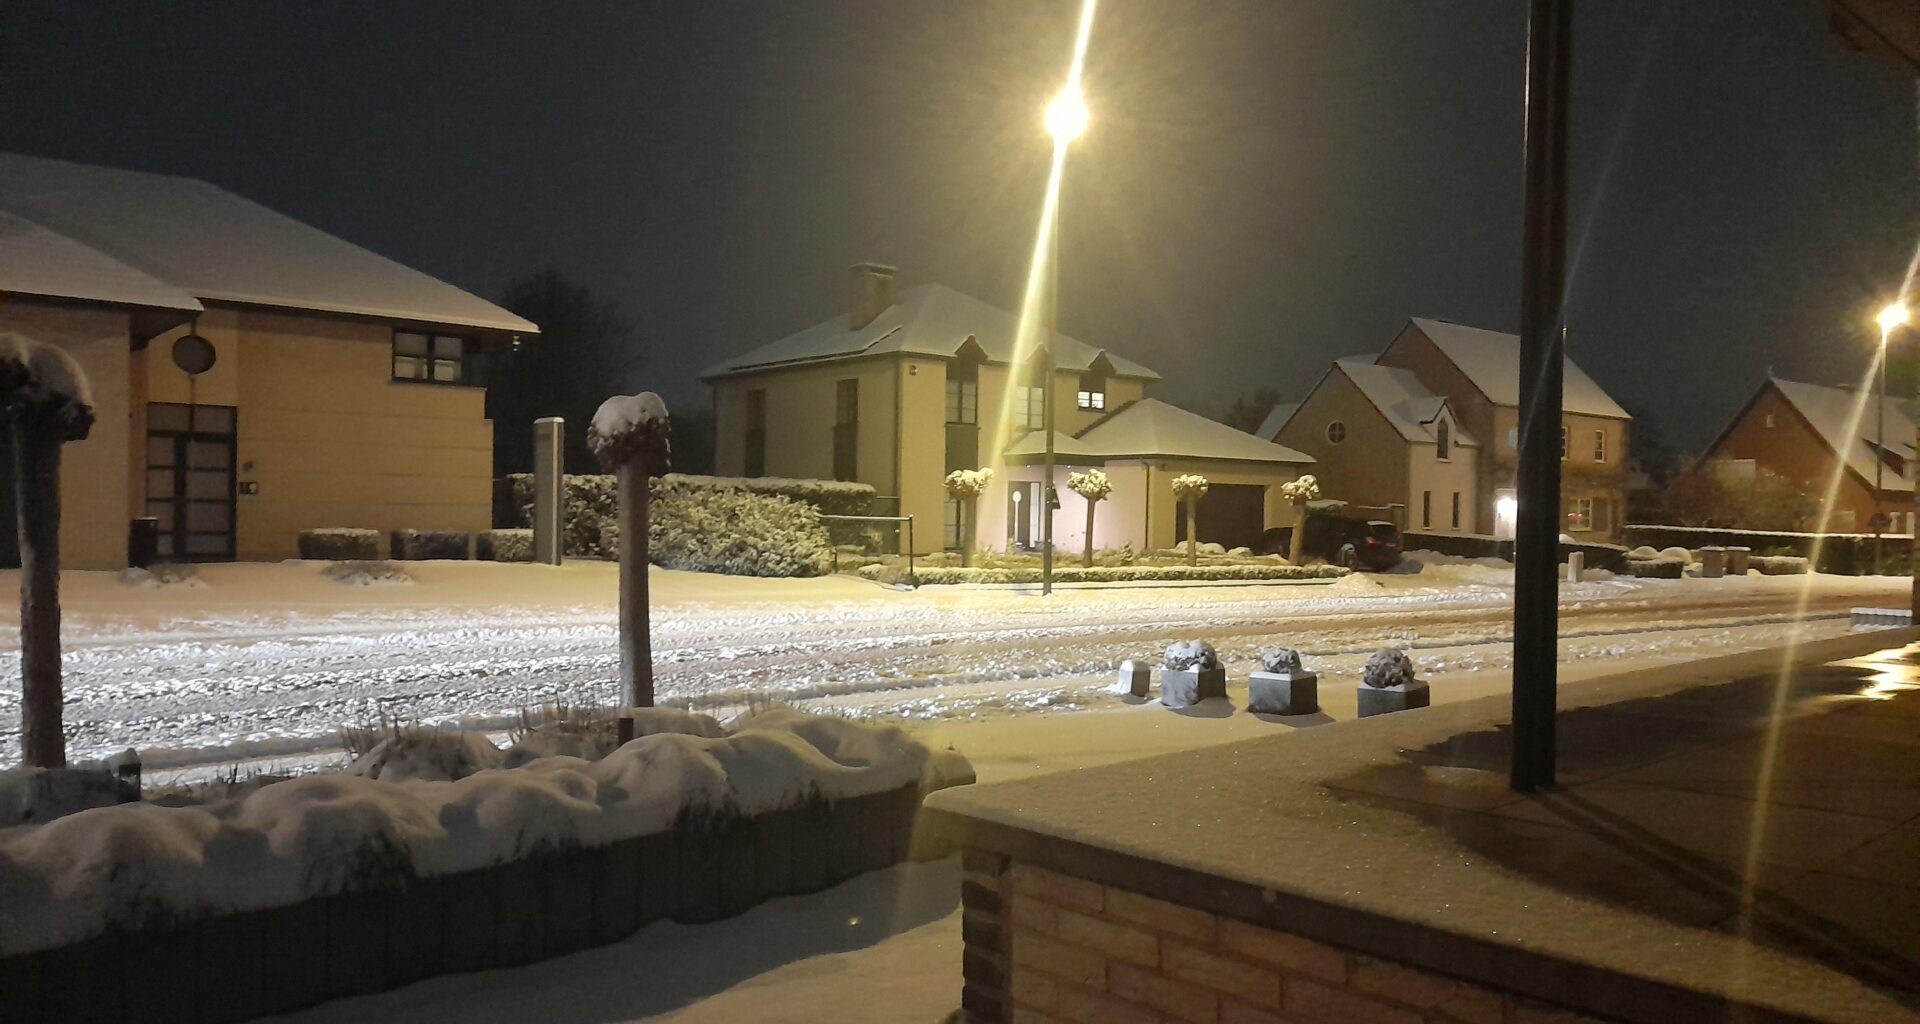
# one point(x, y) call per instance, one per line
point(190, 471)
point(1022, 496)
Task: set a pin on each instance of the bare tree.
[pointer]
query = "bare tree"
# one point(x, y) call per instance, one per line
point(965, 486)
point(629, 435)
point(44, 403)
point(1094, 486)
point(1298, 492)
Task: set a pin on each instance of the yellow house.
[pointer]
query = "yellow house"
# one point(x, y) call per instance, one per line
point(344, 390)
point(1477, 374)
point(913, 384)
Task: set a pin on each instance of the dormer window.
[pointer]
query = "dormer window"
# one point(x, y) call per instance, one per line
point(1442, 440)
point(1092, 394)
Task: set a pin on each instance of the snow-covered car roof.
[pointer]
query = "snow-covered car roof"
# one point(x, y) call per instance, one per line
point(1491, 360)
point(928, 320)
point(216, 246)
point(38, 262)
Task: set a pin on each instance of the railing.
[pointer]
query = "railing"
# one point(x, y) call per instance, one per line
point(898, 521)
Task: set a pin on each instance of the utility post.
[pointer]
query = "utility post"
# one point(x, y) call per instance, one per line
point(1536, 612)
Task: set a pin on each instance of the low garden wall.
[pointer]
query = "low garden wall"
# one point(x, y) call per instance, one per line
point(1611, 557)
point(233, 967)
point(1846, 554)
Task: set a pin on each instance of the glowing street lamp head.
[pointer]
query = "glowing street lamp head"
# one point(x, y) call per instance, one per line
point(1067, 115)
point(1893, 316)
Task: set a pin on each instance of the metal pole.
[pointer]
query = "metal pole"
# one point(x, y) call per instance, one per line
point(1542, 368)
point(1046, 412)
point(1880, 453)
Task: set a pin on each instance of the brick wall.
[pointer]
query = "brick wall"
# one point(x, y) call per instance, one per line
point(1048, 948)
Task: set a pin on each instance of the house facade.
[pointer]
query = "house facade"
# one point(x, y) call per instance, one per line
point(912, 384)
point(1798, 431)
point(1469, 379)
point(345, 389)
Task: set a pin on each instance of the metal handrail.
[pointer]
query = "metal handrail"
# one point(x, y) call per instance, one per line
point(912, 580)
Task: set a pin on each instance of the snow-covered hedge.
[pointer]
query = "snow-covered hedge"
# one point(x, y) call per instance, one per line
point(1778, 565)
point(138, 866)
point(504, 546)
point(588, 500)
point(1119, 573)
point(1657, 568)
point(340, 544)
point(414, 545)
point(740, 533)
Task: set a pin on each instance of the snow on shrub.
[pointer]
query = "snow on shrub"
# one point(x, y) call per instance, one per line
point(962, 484)
point(1301, 490)
point(1186, 655)
point(141, 865)
point(1643, 553)
point(1280, 660)
point(31, 796)
point(339, 544)
point(1092, 485)
point(1778, 565)
point(504, 546)
point(937, 575)
point(362, 574)
point(425, 752)
point(1656, 569)
point(591, 733)
point(1676, 554)
point(737, 532)
point(415, 545)
point(1389, 666)
point(587, 500)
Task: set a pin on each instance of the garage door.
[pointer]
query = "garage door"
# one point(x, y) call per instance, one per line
point(1230, 515)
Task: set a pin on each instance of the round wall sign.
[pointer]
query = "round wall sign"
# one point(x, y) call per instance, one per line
point(193, 354)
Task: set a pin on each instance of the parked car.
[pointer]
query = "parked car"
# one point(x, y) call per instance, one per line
point(1369, 544)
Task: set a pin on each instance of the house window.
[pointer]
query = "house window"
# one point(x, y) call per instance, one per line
point(1442, 442)
point(1563, 442)
point(963, 401)
point(432, 358)
point(1092, 395)
point(1426, 510)
point(1029, 408)
point(952, 519)
point(1336, 432)
point(755, 462)
point(1769, 421)
point(1456, 510)
point(1513, 437)
point(1579, 515)
point(846, 429)
point(1599, 446)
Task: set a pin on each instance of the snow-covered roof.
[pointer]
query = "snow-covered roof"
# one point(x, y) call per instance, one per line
point(1033, 444)
point(1150, 428)
point(39, 262)
point(1830, 409)
point(1491, 360)
point(1402, 399)
point(217, 246)
point(1277, 417)
point(928, 320)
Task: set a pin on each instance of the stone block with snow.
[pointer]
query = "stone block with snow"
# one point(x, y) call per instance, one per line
point(1191, 673)
point(1283, 693)
point(1387, 684)
point(1135, 677)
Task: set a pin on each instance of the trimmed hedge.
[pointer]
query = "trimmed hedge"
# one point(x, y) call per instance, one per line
point(415, 545)
point(504, 546)
point(1778, 565)
point(938, 575)
point(588, 500)
point(1657, 568)
point(1612, 557)
point(736, 532)
point(339, 544)
point(1844, 554)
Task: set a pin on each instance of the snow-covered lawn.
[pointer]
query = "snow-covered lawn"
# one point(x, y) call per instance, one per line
point(266, 661)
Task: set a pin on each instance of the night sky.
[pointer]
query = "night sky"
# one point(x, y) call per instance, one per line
point(1266, 186)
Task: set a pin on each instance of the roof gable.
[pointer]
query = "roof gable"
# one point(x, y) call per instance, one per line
point(1830, 411)
point(1150, 428)
point(1404, 402)
point(217, 246)
point(1491, 361)
point(39, 262)
point(929, 320)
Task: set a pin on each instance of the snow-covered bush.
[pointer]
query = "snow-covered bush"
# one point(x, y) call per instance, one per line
point(163, 574)
point(340, 544)
point(1389, 666)
point(1643, 553)
point(1778, 565)
point(416, 545)
point(1302, 490)
point(1092, 485)
point(1189, 485)
point(940, 575)
point(1184, 655)
point(1677, 554)
point(738, 532)
point(361, 574)
point(962, 484)
point(629, 427)
point(33, 796)
point(504, 546)
point(587, 500)
point(1280, 660)
point(1657, 568)
point(426, 753)
point(593, 733)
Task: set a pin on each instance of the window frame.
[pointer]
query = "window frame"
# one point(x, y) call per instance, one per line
point(1336, 427)
point(1442, 441)
point(963, 401)
point(1584, 521)
point(1600, 446)
point(1029, 407)
point(1565, 436)
point(466, 368)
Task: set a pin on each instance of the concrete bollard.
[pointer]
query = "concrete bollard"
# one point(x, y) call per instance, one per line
point(1739, 560)
point(1576, 562)
point(1713, 562)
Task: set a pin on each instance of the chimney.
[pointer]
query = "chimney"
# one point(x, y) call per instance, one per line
point(872, 293)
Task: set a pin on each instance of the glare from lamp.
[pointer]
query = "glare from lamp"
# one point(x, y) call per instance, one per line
point(1893, 316)
point(1067, 115)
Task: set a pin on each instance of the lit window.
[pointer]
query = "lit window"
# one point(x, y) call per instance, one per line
point(432, 358)
point(1093, 400)
point(1093, 391)
point(1599, 446)
point(1336, 432)
point(1513, 437)
point(1579, 515)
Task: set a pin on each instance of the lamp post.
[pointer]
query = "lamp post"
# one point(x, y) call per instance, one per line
point(1066, 118)
point(1890, 318)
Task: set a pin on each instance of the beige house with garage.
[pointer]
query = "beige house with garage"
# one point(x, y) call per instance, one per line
point(911, 384)
point(345, 390)
point(1469, 380)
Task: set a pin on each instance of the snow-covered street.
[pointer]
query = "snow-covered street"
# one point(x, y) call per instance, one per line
point(264, 662)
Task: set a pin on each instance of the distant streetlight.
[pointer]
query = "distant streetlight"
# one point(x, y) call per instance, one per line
point(1891, 317)
point(1066, 119)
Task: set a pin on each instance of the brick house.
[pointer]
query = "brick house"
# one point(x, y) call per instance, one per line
point(1796, 431)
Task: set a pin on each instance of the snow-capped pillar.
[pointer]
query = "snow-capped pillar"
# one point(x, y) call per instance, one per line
point(629, 436)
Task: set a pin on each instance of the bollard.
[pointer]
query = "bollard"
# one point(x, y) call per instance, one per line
point(549, 481)
point(1713, 562)
point(1576, 562)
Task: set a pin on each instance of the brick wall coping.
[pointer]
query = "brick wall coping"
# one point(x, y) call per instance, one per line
point(1250, 831)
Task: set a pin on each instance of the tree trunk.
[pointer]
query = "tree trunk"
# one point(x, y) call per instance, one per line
point(1296, 543)
point(36, 482)
point(1087, 559)
point(1193, 535)
point(967, 508)
point(636, 641)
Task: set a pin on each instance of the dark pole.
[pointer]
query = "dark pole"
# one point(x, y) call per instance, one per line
point(1536, 591)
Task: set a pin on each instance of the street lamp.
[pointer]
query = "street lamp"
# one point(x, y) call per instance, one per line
point(1890, 318)
point(1066, 119)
